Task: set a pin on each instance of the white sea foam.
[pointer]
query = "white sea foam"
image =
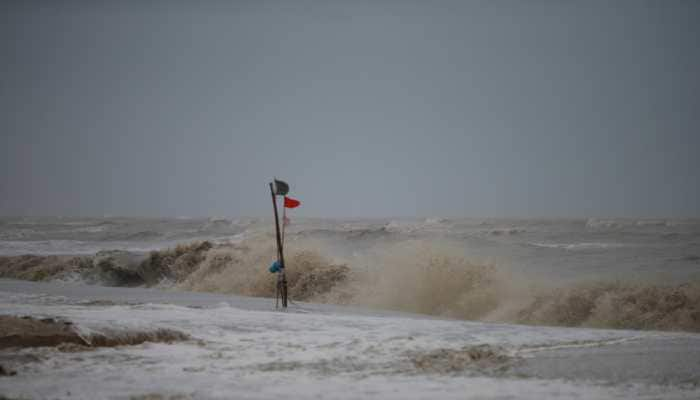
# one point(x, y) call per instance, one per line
point(582, 246)
point(329, 352)
point(596, 223)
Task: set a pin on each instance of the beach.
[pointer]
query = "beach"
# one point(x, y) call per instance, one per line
point(380, 309)
point(227, 348)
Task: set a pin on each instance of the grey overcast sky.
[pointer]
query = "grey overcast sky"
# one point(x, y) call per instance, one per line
point(367, 108)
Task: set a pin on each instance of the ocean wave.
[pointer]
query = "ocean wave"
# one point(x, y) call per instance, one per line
point(64, 335)
point(435, 221)
point(401, 226)
point(142, 235)
point(652, 222)
point(351, 233)
point(411, 275)
point(46, 247)
point(597, 223)
point(217, 223)
point(17, 234)
point(629, 223)
point(505, 231)
point(581, 246)
point(92, 228)
point(416, 226)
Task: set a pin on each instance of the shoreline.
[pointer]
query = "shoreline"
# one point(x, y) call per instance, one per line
point(243, 348)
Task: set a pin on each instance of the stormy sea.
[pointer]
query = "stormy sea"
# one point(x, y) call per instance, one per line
point(184, 308)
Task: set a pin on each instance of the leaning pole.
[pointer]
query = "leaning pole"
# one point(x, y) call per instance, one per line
point(281, 278)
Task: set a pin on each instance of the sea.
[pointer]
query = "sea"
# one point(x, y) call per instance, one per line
point(662, 250)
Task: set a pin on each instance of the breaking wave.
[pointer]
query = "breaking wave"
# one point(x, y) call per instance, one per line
point(30, 332)
point(435, 279)
point(412, 275)
point(242, 269)
point(449, 361)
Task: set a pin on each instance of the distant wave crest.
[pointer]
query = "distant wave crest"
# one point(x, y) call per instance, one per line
point(581, 246)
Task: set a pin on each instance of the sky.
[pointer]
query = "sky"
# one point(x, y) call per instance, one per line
point(366, 108)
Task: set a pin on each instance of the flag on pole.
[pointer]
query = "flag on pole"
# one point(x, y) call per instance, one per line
point(290, 202)
point(281, 188)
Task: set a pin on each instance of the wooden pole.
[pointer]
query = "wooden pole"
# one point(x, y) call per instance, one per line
point(284, 222)
point(280, 253)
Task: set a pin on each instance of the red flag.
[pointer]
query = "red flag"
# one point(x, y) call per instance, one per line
point(290, 202)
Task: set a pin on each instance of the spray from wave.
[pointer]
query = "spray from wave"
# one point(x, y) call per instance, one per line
point(430, 278)
point(414, 275)
point(241, 269)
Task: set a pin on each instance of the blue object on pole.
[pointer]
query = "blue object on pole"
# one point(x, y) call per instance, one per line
point(275, 267)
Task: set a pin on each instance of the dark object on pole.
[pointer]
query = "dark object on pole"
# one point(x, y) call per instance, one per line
point(281, 188)
point(281, 278)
